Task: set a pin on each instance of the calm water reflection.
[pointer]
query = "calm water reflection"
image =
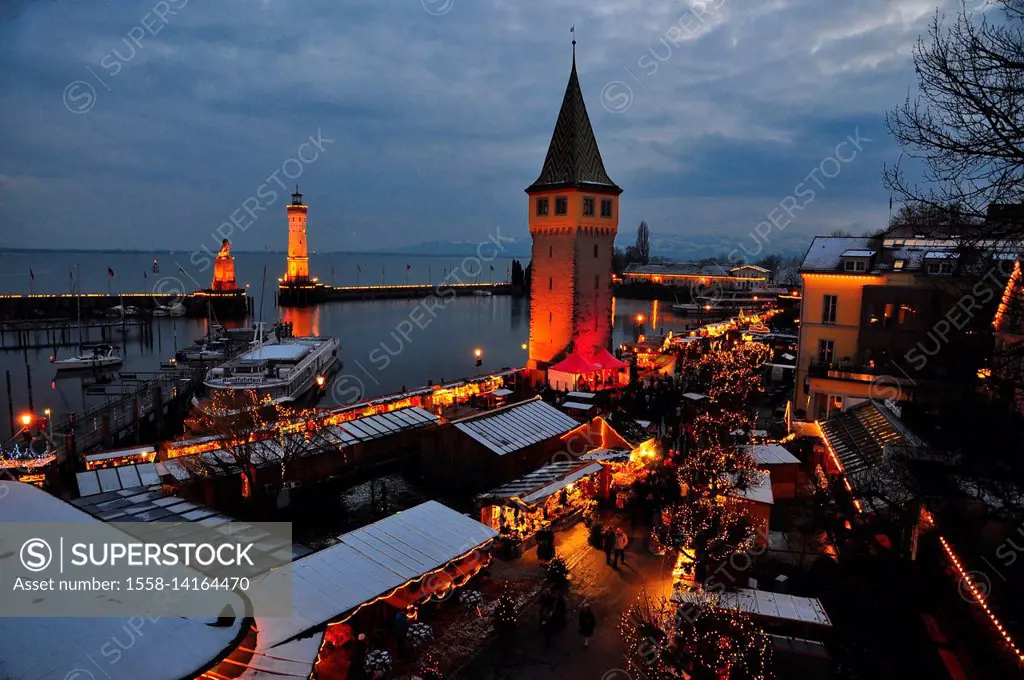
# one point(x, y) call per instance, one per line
point(386, 345)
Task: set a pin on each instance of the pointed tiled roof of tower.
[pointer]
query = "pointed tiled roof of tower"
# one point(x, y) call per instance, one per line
point(573, 159)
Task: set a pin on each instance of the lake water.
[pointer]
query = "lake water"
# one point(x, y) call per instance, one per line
point(386, 344)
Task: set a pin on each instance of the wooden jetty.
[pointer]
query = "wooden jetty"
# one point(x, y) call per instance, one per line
point(297, 294)
point(225, 304)
point(152, 402)
point(54, 333)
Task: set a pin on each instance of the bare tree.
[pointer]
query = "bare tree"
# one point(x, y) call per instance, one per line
point(643, 243)
point(254, 433)
point(966, 126)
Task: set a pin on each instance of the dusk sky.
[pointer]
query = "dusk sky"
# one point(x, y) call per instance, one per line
point(434, 115)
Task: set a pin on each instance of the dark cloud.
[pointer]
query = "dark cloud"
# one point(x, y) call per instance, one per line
point(438, 118)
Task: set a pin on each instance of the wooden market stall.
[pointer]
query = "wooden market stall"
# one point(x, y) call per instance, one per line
point(550, 498)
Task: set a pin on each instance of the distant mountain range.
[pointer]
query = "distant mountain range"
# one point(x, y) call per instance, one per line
point(689, 247)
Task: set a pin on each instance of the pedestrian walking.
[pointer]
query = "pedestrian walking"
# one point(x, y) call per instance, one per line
point(621, 541)
point(609, 544)
point(587, 623)
point(401, 628)
point(547, 608)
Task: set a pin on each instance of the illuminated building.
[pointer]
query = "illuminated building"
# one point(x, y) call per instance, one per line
point(573, 217)
point(876, 310)
point(224, 269)
point(298, 258)
point(1007, 372)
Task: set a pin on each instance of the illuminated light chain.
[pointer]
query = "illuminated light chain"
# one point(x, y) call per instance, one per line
point(980, 599)
point(661, 638)
point(839, 466)
point(480, 565)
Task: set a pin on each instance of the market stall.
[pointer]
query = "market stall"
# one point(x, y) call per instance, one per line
point(548, 499)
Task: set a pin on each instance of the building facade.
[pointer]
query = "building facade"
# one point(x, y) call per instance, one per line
point(573, 218)
point(876, 312)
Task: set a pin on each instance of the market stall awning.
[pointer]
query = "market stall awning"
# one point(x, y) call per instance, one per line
point(581, 396)
point(605, 360)
point(577, 406)
point(574, 364)
point(694, 396)
point(541, 483)
point(374, 561)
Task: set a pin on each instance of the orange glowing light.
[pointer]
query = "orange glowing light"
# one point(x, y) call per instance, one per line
point(639, 318)
point(522, 346)
point(320, 380)
point(478, 353)
point(26, 419)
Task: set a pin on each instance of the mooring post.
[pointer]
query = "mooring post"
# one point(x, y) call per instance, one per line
point(28, 378)
point(10, 403)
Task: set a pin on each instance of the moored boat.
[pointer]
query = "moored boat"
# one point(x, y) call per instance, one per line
point(92, 357)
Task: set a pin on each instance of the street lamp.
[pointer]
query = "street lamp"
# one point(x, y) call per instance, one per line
point(49, 422)
point(26, 419)
point(479, 353)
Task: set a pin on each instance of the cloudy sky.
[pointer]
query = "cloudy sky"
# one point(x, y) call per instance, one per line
point(149, 124)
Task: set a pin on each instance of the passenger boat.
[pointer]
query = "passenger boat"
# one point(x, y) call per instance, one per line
point(284, 369)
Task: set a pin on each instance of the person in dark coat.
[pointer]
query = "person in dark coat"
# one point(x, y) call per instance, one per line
point(587, 623)
point(608, 543)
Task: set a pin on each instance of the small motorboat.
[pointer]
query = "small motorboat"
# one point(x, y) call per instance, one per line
point(483, 293)
point(121, 311)
point(207, 351)
point(92, 356)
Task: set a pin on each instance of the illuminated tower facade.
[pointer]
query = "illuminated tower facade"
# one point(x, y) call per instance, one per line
point(224, 268)
point(298, 258)
point(574, 217)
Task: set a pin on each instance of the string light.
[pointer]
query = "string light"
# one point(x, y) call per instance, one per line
point(980, 598)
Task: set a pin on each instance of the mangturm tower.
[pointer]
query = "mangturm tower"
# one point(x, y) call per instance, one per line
point(574, 216)
point(298, 259)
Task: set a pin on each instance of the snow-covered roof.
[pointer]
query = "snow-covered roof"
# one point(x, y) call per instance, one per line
point(776, 606)
point(580, 395)
point(294, 659)
point(120, 453)
point(163, 648)
point(857, 253)
point(517, 426)
point(826, 252)
point(502, 392)
point(941, 255)
point(372, 561)
point(577, 405)
point(117, 478)
point(772, 454)
point(379, 425)
point(543, 482)
point(759, 490)
point(694, 396)
point(606, 455)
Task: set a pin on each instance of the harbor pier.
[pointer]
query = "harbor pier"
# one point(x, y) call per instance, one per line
point(299, 294)
point(226, 304)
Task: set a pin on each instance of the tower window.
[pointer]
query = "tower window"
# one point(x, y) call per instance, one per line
point(561, 205)
point(595, 250)
point(551, 283)
point(597, 281)
point(606, 207)
point(542, 206)
point(588, 207)
point(551, 251)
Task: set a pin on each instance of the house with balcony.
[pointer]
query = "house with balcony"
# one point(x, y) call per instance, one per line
point(882, 316)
